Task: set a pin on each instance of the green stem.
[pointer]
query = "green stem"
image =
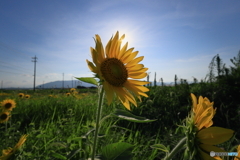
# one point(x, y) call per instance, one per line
point(99, 111)
point(177, 148)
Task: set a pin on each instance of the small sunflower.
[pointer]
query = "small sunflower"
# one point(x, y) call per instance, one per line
point(72, 90)
point(203, 112)
point(50, 95)
point(4, 116)
point(114, 66)
point(20, 95)
point(7, 153)
point(202, 134)
point(27, 96)
point(8, 105)
point(68, 94)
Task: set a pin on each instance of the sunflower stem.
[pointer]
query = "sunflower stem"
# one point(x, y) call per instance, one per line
point(98, 117)
point(176, 149)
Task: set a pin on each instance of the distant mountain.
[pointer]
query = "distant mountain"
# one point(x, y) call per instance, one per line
point(67, 84)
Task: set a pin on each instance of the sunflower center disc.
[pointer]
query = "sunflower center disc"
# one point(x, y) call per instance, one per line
point(8, 105)
point(3, 116)
point(114, 72)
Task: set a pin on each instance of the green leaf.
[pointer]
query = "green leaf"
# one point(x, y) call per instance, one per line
point(88, 80)
point(123, 114)
point(117, 151)
point(160, 147)
point(59, 156)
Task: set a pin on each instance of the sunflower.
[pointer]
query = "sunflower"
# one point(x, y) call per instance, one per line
point(6, 153)
point(72, 90)
point(67, 94)
point(8, 105)
point(4, 116)
point(206, 136)
point(20, 95)
point(238, 151)
point(114, 66)
point(27, 96)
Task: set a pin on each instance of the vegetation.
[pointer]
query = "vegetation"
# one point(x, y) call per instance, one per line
point(60, 125)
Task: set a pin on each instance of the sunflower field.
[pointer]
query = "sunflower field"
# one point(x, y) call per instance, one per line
point(123, 119)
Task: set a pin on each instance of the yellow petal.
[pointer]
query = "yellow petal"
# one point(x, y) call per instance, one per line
point(136, 82)
point(137, 72)
point(194, 101)
point(136, 67)
point(126, 54)
point(214, 135)
point(123, 50)
point(99, 48)
point(109, 92)
point(134, 62)
point(130, 57)
point(91, 66)
point(137, 75)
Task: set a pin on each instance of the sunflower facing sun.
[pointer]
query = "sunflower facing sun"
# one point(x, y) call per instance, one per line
point(114, 65)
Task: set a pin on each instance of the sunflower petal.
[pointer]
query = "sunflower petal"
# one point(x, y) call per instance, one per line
point(137, 75)
point(130, 57)
point(136, 82)
point(91, 66)
point(123, 50)
point(134, 62)
point(109, 92)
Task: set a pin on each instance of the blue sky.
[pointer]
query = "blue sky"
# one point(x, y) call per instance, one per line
point(176, 37)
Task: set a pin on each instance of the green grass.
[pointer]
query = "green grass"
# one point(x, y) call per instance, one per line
point(57, 125)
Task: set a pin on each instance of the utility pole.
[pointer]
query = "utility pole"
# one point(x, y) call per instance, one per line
point(34, 60)
point(43, 84)
point(63, 82)
point(72, 81)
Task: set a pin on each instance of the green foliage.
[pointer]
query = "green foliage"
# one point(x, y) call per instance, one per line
point(117, 151)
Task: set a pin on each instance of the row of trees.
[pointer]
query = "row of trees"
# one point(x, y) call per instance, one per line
point(216, 66)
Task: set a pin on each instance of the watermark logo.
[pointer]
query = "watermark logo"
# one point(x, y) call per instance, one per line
point(212, 153)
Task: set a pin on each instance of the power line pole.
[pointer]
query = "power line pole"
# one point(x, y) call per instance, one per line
point(34, 60)
point(63, 82)
point(72, 81)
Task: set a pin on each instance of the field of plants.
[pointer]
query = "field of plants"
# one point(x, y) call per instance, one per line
point(58, 122)
point(183, 121)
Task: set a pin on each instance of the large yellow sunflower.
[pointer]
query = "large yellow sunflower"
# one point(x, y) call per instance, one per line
point(114, 66)
point(8, 104)
point(4, 116)
point(206, 136)
point(7, 153)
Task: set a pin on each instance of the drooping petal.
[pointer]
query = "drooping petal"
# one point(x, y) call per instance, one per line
point(109, 92)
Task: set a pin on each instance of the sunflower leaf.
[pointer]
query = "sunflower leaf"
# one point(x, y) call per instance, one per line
point(90, 80)
point(117, 151)
point(122, 114)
